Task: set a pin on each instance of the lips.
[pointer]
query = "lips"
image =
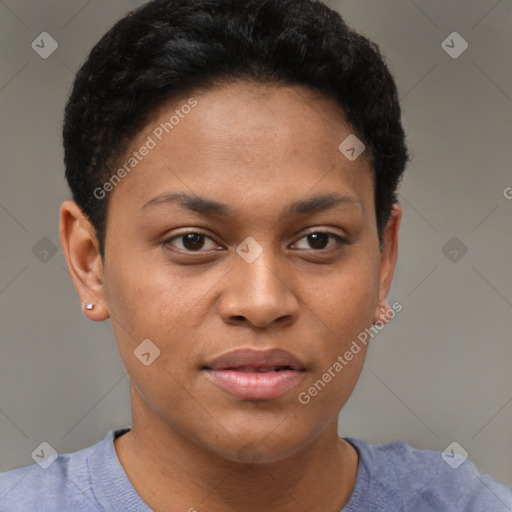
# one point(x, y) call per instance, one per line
point(255, 374)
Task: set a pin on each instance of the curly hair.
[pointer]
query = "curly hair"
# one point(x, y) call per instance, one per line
point(168, 48)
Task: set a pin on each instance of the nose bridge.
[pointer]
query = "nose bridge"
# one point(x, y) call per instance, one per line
point(261, 276)
point(258, 291)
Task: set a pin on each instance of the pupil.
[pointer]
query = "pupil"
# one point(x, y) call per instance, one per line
point(193, 241)
point(318, 240)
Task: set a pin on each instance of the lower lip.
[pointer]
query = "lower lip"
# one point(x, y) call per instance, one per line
point(255, 385)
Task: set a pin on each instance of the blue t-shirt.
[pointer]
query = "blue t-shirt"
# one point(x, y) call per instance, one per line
point(393, 477)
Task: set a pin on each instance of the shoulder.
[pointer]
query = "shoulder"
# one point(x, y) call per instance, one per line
point(428, 480)
point(56, 484)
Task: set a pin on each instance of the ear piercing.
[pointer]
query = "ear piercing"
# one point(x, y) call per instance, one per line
point(88, 306)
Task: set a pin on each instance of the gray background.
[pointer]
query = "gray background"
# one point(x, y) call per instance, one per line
point(439, 372)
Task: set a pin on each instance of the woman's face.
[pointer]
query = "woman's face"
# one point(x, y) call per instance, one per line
point(246, 273)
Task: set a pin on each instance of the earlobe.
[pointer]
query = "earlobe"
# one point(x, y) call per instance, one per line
point(382, 313)
point(80, 247)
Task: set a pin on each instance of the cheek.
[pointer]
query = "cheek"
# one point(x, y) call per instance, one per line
point(148, 298)
point(146, 302)
point(344, 299)
point(164, 305)
point(339, 309)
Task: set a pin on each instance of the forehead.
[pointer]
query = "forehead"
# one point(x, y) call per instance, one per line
point(242, 142)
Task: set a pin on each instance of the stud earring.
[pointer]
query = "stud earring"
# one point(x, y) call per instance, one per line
point(88, 306)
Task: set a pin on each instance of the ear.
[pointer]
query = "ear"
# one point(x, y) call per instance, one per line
point(80, 247)
point(388, 258)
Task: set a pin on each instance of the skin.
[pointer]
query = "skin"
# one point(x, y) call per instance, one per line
point(256, 148)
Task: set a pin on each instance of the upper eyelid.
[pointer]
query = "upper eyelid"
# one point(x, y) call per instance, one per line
point(310, 231)
point(191, 231)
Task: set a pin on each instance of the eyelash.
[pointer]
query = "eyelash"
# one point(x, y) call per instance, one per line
point(340, 241)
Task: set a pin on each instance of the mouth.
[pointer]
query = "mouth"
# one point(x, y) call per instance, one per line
point(255, 374)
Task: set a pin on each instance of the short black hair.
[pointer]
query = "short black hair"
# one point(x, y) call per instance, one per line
point(166, 49)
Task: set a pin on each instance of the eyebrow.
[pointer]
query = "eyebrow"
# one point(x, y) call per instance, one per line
point(209, 207)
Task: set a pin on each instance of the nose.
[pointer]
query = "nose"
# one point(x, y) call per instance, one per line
point(258, 294)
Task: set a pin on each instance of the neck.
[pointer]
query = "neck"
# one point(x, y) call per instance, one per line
point(166, 468)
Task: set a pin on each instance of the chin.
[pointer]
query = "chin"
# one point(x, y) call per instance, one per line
point(259, 447)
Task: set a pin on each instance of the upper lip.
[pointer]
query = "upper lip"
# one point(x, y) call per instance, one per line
point(270, 358)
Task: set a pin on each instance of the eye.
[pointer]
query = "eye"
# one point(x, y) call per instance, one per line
point(192, 241)
point(319, 239)
point(195, 241)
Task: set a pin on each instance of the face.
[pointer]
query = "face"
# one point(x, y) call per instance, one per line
point(281, 252)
